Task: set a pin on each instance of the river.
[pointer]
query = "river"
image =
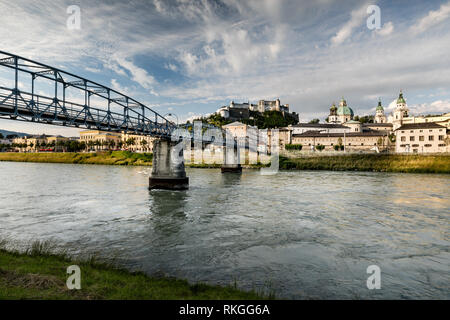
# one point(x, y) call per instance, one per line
point(298, 234)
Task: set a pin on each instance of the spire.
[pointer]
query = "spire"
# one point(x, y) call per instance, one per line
point(380, 107)
point(400, 98)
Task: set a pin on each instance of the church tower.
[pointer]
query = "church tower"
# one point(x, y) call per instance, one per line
point(332, 118)
point(379, 114)
point(400, 112)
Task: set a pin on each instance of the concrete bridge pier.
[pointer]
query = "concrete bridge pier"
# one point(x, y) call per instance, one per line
point(168, 170)
point(231, 157)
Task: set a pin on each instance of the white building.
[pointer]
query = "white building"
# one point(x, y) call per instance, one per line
point(422, 138)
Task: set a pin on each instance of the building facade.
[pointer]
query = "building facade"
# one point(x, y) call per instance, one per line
point(422, 138)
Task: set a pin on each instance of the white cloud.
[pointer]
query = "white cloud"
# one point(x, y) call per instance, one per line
point(387, 29)
point(433, 18)
point(436, 107)
point(356, 19)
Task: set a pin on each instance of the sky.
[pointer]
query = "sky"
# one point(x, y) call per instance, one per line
point(189, 58)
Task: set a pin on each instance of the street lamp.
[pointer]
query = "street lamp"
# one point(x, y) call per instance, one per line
point(172, 115)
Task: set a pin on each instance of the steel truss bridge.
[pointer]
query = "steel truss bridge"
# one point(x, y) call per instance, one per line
point(118, 113)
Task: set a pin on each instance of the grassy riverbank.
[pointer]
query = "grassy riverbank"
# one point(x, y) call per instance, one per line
point(38, 274)
point(370, 162)
point(351, 162)
point(102, 157)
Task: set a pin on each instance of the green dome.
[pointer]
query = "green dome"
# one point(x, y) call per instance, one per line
point(400, 98)
point(380, 107)
point(344, 111)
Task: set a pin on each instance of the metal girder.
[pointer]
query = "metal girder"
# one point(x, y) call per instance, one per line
point(50, 108)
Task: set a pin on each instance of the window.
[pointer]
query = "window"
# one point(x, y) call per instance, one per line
point(441, 145)
point(411, 138)
point(430, 138)
point(441, 138)
point(421, 138)
point(428, 145)
point(403, 138)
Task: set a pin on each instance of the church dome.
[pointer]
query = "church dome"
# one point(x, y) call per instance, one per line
point(380, 107)
point(400, 98)
point(344, 111)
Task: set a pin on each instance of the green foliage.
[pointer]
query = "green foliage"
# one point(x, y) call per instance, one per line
point(314, 121)
point(370, 162)
point(293, 146)
point(269, 119)
point(365, 119)
point(40, 273)
point(320, 147)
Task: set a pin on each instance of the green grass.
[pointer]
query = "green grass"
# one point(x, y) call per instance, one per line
point(101, 157)
point(37, 273)
point(370, 162)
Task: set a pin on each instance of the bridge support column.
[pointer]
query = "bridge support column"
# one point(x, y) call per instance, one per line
point(168, 167)
point(231, 157)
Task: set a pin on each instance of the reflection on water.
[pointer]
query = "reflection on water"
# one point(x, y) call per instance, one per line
point(301, 234)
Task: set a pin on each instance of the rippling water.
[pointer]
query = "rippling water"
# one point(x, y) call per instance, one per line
point(301, 234)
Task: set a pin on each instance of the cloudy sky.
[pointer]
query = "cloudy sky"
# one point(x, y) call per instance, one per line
point(191, 57)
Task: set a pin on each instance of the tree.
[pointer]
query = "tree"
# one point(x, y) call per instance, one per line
point(320, 147)
point(380, 141)
point(143, 143)
point(130, 141)
point(293, 146)
point(314, 121)
point(1, 135)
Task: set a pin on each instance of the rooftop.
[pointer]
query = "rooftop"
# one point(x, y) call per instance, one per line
point(320, 125)
point(315, 133)
point(377, 124)
point(424, 125)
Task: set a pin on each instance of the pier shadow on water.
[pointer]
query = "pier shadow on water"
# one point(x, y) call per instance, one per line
point(230, 179)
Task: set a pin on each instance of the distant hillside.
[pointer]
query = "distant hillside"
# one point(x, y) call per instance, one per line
point(6, 133)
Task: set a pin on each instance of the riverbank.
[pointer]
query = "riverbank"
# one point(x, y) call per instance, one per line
point(369, 162)
point(39, 274)
point(289, 161)
point(101, 157)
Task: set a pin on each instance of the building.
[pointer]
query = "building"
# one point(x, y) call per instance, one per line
point(380, 117)
point(103, 140)
point(353, 141)
point(400, 112)
point(341, 114)
point(321, 127)
point(100, 140)
point(443, 120)
point(240, 130)
point(422, 138)
point(239, 111)
point(137, 143)
point(377, 127)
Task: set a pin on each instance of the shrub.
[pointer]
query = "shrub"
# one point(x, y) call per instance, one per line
point(320, 147)
point(294, 147)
